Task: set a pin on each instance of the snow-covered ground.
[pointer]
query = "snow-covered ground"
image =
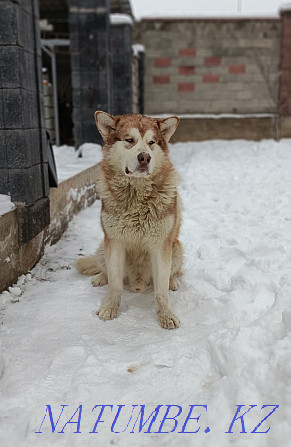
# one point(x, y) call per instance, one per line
point(69, 163)
point(233, 346)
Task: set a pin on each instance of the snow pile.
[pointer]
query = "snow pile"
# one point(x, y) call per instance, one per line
point(69, 163)
point(137, 48)
point(5, 204)
point(234, 343)
point(121, 19)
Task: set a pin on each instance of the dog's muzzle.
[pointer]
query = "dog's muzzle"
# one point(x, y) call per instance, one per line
point(143, 159)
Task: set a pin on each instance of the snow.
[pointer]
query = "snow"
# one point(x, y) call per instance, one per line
point(121, 19)
point(5, 204)
point(231, 9)
point(234, 343)
point(138, 48)
point(286, 7)
point(69, 163)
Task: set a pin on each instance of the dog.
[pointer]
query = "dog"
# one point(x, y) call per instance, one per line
point(140, 213)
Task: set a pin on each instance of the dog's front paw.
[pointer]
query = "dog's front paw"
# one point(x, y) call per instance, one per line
point(167, 319)
point(108, 311)
point(99, 280)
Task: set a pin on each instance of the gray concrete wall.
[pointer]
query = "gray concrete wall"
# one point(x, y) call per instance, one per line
point(90, 62)
point(23, 160)
point(121, 57)
point(210, 66)
point(73, 194)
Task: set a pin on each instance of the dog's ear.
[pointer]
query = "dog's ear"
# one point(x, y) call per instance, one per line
point(105, 123)
point(168, 126)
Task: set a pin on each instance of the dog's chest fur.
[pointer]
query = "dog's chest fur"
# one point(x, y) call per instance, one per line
point(139, 208)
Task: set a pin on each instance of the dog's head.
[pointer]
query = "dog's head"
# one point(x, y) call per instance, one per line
point(135, 145)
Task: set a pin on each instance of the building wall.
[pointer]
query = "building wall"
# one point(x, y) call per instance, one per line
point(210, 66)
point(120, 42)
point(23, 157)
point(90, 62)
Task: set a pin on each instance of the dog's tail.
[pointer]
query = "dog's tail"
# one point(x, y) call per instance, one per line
point(87, 266)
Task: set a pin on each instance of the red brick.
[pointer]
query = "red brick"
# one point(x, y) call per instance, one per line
point(186, 87)
point(236, 69)
point(211, 78)
point(161, 79)
point(186, 70)
point(212, 61)
point(162, 61)
point(187, 52)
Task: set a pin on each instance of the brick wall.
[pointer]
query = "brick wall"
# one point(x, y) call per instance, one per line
point(210, 66)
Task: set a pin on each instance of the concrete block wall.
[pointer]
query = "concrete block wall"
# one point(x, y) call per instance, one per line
point(73, 194)
point(121, 58)
point(90, 63)
point(23, 161)
point(210, 66)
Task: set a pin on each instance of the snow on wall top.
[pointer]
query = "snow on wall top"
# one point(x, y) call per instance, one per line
point(138, 48)
point(229, 9)
point(120, 19)
point(5, 204)
point(69, 164)
point(207, 16)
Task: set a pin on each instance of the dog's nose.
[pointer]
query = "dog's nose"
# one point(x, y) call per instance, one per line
point(144, 158)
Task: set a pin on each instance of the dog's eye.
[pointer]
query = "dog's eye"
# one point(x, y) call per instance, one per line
point(151, 143)
point(129, 140)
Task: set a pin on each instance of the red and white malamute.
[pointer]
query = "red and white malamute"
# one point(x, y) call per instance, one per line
point(140, 215)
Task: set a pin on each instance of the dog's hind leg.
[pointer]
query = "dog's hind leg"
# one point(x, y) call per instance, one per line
point(94, 265)
point(99, 280)
point(87, 266)
point(176, 266)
